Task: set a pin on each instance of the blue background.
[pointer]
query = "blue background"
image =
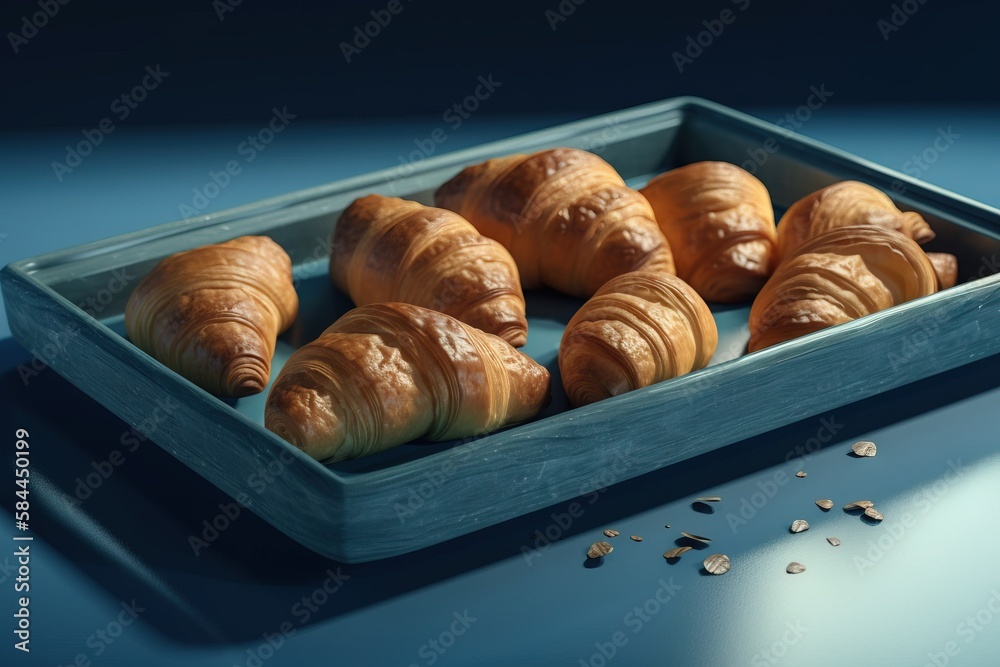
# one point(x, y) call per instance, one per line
point(895, 593)
point(603, 56)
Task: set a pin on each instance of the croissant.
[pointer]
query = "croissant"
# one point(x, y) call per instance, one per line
point(388, 249)
point(638, 329)
point(213, 314)
point(564, 214)
point(945, 267)
point(837, 276)
point(387, 373)
point(720, 225)
point(844, 204)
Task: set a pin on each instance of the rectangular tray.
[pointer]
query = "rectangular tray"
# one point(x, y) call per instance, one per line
point(423, 493)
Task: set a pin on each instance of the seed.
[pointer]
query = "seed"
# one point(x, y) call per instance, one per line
point(858, 505)
point(824, 504)
point(636, 538)
point(801, 473)
point(675, 553)
point(717, 564)
point(708, 499)
point(799, 525)
point(795, 568)
point(864, 448)
point(873, 513)
point(696, 537)
point(611, 532)
point(598, 549)
point(835, 541)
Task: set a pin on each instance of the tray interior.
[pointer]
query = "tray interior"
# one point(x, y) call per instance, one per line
point(638, 147)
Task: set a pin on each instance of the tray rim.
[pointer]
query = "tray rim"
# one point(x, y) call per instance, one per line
point(681, 104)
point(358, 484)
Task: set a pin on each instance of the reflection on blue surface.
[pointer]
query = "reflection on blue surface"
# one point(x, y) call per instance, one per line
point(130, 537)
point(914, 587)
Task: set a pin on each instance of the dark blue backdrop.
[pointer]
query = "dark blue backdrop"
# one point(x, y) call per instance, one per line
point(66, 64)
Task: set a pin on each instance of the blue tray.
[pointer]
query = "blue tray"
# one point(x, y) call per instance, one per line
point(66, 307)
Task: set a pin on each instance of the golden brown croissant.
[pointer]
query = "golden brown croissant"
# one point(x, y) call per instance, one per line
point(213, 314)
point(720, 225)
point(387, 373)
point(838, 276)
point(638, 329)
point(946, 268)
point(389, 249)
point(845, 204)
point(564, 214)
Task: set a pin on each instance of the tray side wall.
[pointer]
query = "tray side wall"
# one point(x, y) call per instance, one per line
point(183, 419)
point(428, 500)
point(569, 455)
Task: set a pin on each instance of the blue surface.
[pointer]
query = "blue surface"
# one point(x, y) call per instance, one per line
point(895, 593)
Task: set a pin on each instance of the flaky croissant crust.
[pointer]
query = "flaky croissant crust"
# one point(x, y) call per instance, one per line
point(838, 276)
point(638, 329)
point(565, 215)
point(846, 204)
point(389, 249)
point(388, 373)
point(213, 314)
point(946, 267)
point(720, 224)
